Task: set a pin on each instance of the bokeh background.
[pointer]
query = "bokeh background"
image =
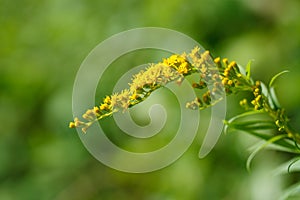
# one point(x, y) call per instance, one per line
point(42, 44)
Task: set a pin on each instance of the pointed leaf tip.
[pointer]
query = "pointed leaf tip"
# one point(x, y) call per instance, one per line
point(276, 76)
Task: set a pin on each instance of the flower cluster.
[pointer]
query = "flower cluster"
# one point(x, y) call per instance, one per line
point(219, 75)
point(216, 77)
point(259, 100)
point(143, 84)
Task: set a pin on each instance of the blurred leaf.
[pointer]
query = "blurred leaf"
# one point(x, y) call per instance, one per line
point(275, 77)
point(229, 122)
point(274, 99)
point(253, 125)
point(291, 191)
point(261, 147)
point(281, 145)
point(292, 165)
point(248, 70)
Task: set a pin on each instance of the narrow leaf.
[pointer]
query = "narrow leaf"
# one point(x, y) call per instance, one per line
point(245, 114)
point(274, 98)
point(276, 76)
point(281, 145)
point(261, 147)
point(293, 164)
point(291, 191)
point(287, 166)
point(253, 124)
point(248, 69)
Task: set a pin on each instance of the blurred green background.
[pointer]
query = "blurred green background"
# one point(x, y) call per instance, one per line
point(42, 44)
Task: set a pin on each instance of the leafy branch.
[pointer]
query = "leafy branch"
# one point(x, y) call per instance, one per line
point(262, 112)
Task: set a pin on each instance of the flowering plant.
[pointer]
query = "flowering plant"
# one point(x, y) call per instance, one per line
point(263, 116)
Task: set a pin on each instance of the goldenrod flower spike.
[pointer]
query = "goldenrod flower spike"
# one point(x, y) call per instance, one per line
point(221, 74)
point(174, 68)
point(144, 83)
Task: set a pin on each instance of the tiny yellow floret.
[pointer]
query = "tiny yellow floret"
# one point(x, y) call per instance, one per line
point(217, 60)
point(96, 109)
point(72, 125)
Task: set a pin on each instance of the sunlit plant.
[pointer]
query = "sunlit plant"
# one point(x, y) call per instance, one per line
point(263, 116)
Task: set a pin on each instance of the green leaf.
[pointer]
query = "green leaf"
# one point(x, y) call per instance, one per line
point(294, 190)
point(261, 147)
point(253, 124)
point(281, 145)
point(284, 146)
point(259, 135)
point(291, 191)
point(245, 114)
point(256, 128)
point(274, 98)
point(293, 165)
point(276, 76)
point(248, 69)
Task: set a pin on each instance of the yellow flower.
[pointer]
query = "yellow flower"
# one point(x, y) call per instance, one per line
point(96, 109)
point(72, 125)
point(225, 61)
point(114, 99)
point(104, 106)
point(85, 116)
point(195, 56)
point(134, 96)
point(232, 64)
point(77, 122)
point(225, 81)
point(107, 100)
point(203, 69)
point(195, 52)
point(183, 68)
point(195, 104)
point(217, 60)
point(123, 98)
point(243, 102)
point(89, 112)
point(207, 98)
point(258, 98)
point(84, 129)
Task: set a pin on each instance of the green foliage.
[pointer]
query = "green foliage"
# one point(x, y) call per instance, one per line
point(224, 76)
point(42, 46)
point(256, 126)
